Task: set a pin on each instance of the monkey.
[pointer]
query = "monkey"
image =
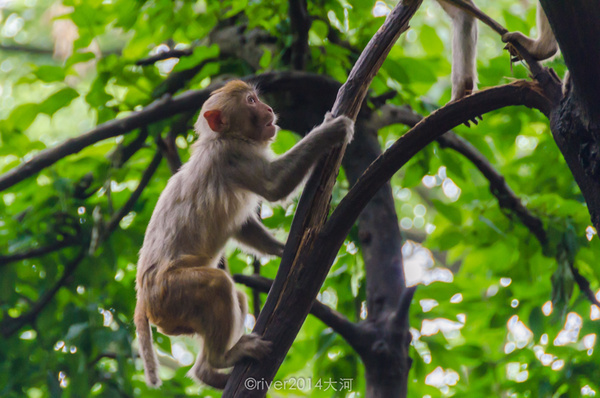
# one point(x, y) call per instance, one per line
point(211, 199)
point(464, 43)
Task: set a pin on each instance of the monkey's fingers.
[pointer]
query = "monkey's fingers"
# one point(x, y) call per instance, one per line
point(515, 56)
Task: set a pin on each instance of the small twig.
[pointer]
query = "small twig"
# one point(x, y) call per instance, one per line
point(123, 153)
point(165, 55)
point(168, 145)
point(11, 325)
point(584, 285)
point(37, 252)
point(126, 208)
point(401, 316)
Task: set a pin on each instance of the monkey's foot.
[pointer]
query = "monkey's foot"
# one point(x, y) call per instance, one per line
point(461, 90)
point(203, 373)
point(254, 346)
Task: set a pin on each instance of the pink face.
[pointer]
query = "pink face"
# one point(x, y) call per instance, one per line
point(261, 117)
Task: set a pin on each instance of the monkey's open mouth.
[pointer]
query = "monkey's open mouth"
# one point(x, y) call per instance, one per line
point(269, 124)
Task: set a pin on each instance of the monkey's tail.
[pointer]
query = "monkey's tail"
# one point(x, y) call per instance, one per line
point(145, 342)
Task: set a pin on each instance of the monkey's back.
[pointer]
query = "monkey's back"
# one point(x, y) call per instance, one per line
point(198, 211)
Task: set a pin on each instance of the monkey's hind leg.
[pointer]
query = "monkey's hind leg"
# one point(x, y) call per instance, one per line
point(215, 311)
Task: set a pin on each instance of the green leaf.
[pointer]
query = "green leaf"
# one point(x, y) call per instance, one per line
point(48, 73)
point(451, 212)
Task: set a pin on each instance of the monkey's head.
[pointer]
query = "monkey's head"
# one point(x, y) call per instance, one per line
point(235, 110)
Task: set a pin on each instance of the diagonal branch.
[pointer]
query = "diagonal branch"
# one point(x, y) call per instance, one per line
point(11, 325)
point(160, 109)
point(299, 280)
point(135, 195)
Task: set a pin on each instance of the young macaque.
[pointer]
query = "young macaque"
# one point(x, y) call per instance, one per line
point(213, 198)
point(464, 43)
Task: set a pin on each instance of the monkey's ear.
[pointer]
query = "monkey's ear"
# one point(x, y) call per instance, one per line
point(214, 119)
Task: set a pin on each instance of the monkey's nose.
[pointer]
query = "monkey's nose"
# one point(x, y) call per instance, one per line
point(269, 109)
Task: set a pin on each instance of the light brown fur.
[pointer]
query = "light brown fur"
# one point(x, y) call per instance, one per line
point(213, 198)
point(464, 46)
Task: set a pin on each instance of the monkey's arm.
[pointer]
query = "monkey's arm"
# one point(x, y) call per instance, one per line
point(255, 235)
point(274, 180)
point(541, 48)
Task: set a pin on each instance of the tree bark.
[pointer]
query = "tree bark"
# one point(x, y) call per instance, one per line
point(575, 122)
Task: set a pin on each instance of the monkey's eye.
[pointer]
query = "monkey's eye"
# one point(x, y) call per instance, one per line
point(251, 99)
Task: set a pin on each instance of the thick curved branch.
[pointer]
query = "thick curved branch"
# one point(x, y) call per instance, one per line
point(507, 199)
point(335, 320)
point(426, 131)
point(498, 186)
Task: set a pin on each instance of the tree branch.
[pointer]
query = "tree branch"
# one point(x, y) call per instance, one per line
point(135, 195)
point(163, 108)
point(173, 53)
point(330, 317)
point(11, 325)
point(298, 279)
point(430, 128)
point(37, 252)
point(507, 199)
point(300, 23)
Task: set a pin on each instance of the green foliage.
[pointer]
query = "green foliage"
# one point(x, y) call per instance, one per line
point(481, 315)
